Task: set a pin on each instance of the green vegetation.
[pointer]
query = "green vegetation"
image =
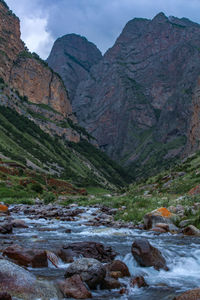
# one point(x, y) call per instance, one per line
point(22, 140)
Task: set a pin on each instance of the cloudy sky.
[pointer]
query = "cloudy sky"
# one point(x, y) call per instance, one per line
point(100, 21)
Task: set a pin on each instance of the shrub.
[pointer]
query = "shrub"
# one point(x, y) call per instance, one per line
point(36, 187)
point(49, 197)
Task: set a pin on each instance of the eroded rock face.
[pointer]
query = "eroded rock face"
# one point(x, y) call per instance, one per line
point(72, 56)
point(28, 74)
point(91, 271)
point(138, 101)
point(147, 255)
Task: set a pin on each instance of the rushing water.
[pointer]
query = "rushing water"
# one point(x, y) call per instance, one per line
point(181, 253)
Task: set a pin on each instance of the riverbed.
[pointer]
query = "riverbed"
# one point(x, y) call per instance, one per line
point(182, 253)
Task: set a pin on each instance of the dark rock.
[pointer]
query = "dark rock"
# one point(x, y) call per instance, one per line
point(147, 255)
point(27, 257)
point(91, 271)
point(138, 281)
point(118, 266)
point(89, 250)
point(72, 57)
point(19, 224)
point(5, 296)
point(73, 287)
point(110, 283)
point(6, 228)
point(191, 230)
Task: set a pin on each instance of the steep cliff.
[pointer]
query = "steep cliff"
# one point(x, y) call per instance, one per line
point(138, 101)
point(72, 56)
point(26, 72)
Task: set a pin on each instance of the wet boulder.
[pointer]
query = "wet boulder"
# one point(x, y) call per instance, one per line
point(110, 283)
point(138, 281)
point(147, 256)
point(189, 295)
point(15, 280)
point(92, 272)
point(74, 287)
point(87, 249)
point(19, 223)
point(6, 228)
point(191, 230)
point(20, 283)
point(119, 267)
point(160, 215)
point(27, 257)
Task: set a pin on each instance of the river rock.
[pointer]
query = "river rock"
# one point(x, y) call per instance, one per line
point(91, 271)
point(27, 257)
point(191, 230)
point(160, 215)
point(87, 249)
point(118, 266)
point(147, 255)
point(189, 295)
point(74, 287)
point(5, 296)
point(15, 280)
point(6, 228)
point(19, 223)
point(110, 283)
point(21, 284)
point(138, 281)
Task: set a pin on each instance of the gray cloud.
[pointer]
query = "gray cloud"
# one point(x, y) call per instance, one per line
point(100, 21)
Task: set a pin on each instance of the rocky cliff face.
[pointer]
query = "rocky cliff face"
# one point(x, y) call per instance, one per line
point(26, 72)
point(72, 57)
point(138, 101)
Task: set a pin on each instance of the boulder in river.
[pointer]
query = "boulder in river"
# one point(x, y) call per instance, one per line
point(160, 215)
point(191, 230)
point(119, 267)
point(6, 228)
point(19, 223)
point(74, 287)
point(189, 295)
point(87, 249)
point(91, 271)
point(138, 281)
point(20, 283)
point(27, 257)
point(147, 255)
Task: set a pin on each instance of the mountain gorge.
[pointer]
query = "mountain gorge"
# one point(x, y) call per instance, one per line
point(141, 100)
point(37, 126)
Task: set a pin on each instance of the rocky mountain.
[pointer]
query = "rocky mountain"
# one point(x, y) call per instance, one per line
point(141, 101)
point(37, 126)
point(72, 56)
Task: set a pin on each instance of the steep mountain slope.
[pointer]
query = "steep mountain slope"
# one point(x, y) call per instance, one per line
point(139, 100)
point(37, 126)
point(72, 56)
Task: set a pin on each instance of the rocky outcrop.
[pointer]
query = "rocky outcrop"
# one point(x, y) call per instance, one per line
point(25, 72)
point(72, 56)
point(138, 101)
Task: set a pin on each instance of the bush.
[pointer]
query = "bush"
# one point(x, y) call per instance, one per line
point(36, 187)
point(49, 197)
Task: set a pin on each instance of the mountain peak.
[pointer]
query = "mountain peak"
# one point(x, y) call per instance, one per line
point(160, 17)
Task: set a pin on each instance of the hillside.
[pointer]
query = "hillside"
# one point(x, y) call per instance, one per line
point(38, 128)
